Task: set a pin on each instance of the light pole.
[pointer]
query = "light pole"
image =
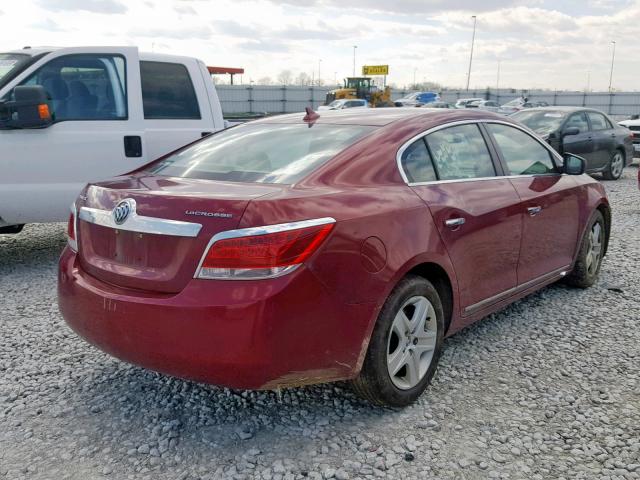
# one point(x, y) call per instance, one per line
point(414, 77)
point(335, 78)
point(473, 39)
point(498, 80)
point(319, 63)
point(613, 57)
point(354, 60)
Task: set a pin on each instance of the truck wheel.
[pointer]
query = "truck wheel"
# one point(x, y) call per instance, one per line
point(11, 229)
point(405, 345)
point(615, 167)
point(587, 267)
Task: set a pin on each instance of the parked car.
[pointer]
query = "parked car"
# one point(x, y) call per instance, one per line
point(462, 102)
point(634, 126)
point(345, 103)
point(344, 245)
point(489, 105)
point(90, 113)
point(438, 105)
point(519, 104)
point(605, 146)
point(417, 99)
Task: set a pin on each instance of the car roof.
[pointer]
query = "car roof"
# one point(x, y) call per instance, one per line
point(380, 117)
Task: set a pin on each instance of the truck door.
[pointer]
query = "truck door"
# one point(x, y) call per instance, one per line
point(176, 106)
point(97, 132)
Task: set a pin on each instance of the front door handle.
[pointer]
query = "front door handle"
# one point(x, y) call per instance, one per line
point(533, 211)
point(454, 222)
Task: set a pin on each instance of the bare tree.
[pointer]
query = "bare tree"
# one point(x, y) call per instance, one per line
point(303, 79)
point(285, 77)
point(265, 81)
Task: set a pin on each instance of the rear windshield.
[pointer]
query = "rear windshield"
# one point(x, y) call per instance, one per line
point(263, 153)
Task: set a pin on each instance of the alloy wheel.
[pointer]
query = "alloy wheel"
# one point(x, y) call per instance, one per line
point(411, 342)
point(594, 251)
point(617, 165)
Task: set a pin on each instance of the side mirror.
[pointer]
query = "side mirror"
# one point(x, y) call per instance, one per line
point(570, 131)
point(574, 165)
point(30, 108)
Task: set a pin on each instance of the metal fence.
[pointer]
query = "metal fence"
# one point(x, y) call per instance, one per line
point(240, 99)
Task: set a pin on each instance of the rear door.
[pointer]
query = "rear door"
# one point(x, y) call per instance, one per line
point(550, 203)
point(582, 143)
point(476, 212)
point(175, 105)
point(604, 139)
point(95, 95)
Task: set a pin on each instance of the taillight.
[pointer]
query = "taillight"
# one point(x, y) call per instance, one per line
point(263, 252)
point(71, 229)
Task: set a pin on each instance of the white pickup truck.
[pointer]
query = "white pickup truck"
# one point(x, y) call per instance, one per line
point(69, 116)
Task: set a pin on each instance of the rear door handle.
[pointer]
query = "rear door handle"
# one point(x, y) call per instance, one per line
point(454, 222)
point(533, 211)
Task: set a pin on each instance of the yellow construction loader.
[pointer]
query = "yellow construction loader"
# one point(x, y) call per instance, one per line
point(361, 87)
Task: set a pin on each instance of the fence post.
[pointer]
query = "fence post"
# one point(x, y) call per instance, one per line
point(611, 94)
point(250, 100)
point(284, 98)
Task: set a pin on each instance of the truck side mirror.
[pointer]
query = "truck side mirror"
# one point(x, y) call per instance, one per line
point(30, 108)
point(574, 165)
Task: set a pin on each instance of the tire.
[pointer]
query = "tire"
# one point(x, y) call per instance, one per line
point(585, 272)
point(417, 352)
point(616, 166)
point(11, 229)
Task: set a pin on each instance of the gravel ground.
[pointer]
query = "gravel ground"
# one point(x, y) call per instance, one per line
point(547, 389)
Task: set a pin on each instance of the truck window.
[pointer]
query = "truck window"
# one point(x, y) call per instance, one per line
point(167, 92)
point(84, 86)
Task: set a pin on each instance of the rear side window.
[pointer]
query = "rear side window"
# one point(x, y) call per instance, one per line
point(263, 153)
point(523, 154)
point(167, 92)
point(416, 163)
point(598, 121)
point(460, 152)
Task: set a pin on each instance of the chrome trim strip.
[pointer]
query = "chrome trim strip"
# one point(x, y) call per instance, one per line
point(406, 145)
point(140, 223)
point(561, 272)
point(264, 230)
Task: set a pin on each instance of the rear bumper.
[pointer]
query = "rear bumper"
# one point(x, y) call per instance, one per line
point(241, 334)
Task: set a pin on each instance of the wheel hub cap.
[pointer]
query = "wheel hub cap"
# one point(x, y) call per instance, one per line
point(411, 342)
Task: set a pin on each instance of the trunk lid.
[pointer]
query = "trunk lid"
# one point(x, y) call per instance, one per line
point(157, 262)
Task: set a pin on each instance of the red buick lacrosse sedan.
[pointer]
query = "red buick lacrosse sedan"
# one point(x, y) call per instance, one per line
point(306, 249)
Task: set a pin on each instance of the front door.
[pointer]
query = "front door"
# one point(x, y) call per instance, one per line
point(549, 203)
point(581, 144)
point(476, 212)
point(97, 132)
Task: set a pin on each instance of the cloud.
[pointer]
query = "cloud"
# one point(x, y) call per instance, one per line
point(94, 6)
point(410, 7)
point(195, 32)
point(261, 46)
point(48, 25)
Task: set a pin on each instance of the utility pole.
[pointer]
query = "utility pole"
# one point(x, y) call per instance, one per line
point(354, 60)
point(498, 81)
point(414, 77)
point(335, 78)
point(473, 39)
point(613, 57)
point(588, 80)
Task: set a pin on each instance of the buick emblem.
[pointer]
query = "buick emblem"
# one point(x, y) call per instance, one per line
point(123, 210)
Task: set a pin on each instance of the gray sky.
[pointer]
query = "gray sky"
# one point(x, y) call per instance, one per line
point(539, 43)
